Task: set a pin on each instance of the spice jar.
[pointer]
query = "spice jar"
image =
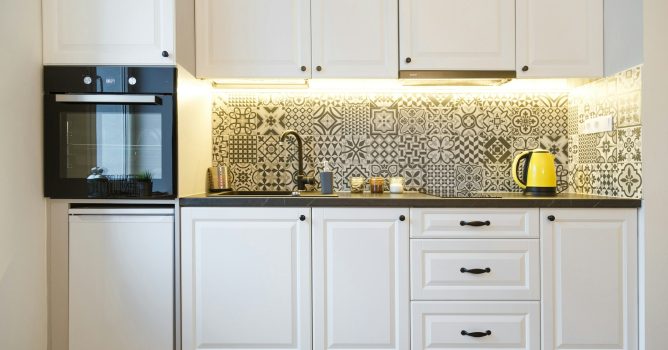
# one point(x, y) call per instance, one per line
point(376, 184)
point(357, 184)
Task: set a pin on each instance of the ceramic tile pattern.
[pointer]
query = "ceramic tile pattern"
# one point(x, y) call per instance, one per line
point(608, 163)
point(452, 143)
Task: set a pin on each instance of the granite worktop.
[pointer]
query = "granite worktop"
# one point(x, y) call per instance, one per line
point(414, 200)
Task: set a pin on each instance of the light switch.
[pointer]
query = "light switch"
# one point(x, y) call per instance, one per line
point(598, 124)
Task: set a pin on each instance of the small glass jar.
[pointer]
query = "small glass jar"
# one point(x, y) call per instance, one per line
point(376, 184)
point(396, 185)
point(357, 184)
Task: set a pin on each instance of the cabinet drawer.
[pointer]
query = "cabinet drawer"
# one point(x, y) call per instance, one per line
point(442, 325)
point(502, 269)
point(460, 223)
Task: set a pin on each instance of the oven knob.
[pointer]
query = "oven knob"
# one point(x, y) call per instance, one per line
point(87, 80)
point(132, 80)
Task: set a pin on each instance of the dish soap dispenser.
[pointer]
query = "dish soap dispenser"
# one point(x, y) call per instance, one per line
point(326, 179)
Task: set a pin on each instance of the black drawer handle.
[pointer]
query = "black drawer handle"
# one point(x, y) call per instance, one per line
point(477, 334)
point(402, 218)
point(475, 271)
point(302, 217)
point(551, 217)
point(474, 223)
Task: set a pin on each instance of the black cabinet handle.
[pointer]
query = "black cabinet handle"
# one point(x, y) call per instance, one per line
point(525, 68)
point(408, 60)
point(303, 68)
point(165, 54)
point(477, 334)
point(551, 217)
point(475, 223)
point(302, 218)
point(318, 68)
point(402, 218)
point(475, 271)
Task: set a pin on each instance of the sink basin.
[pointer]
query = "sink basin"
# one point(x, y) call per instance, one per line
point(269, 194)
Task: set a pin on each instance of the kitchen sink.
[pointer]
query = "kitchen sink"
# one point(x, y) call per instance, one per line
point(269, 194)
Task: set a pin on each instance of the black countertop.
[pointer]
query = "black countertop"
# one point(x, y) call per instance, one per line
point(415, 200)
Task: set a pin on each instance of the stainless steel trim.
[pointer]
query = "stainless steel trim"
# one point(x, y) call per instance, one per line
point(121, 211)
point(107, 98)
point(457, 74)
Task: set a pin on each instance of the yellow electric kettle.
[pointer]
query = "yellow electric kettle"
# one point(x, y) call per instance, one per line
point(539, 175)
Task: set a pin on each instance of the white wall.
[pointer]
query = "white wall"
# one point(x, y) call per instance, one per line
point(655, 170)
point(623, 35)
point(22, 208)
point(195, 144)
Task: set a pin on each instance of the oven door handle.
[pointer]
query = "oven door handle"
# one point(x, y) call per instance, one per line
point(108, 98)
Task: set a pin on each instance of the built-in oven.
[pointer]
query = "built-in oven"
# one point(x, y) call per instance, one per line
point(109, 132)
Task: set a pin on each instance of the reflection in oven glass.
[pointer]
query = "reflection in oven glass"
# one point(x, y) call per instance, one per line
point(118, 142)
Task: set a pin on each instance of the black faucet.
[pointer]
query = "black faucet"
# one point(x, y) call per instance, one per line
point(302, 179)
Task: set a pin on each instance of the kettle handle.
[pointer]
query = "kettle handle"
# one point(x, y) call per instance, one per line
point(516, 164)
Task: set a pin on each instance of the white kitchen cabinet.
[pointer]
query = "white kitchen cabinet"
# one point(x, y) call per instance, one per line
point(457, 35)
point(474, 223)
point(589, 279)
point(355, 38)
point(253, 39)
point(440, 325)
point(557, 39)
point(121, 279)
point(122, 32)
point(246, 278)
point(360, 279)
point(475, 269)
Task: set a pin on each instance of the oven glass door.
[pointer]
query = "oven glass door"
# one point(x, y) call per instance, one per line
point(123, 139)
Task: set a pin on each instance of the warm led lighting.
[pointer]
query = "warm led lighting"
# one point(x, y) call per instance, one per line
point(261, 84)
point(358, 85)
point(395, 85)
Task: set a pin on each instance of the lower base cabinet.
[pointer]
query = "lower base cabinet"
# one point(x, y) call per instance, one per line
point(446, 325)
point(246, 278)
point(589, 272)
point(360, 279)
point(338, 278)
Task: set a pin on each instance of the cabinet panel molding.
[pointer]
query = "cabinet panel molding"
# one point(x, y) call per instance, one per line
point(589, 289)
point(360, 279)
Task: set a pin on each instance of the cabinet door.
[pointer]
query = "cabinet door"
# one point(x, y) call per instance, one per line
point(559, 38)
point(360, 279)
point(589, 286)
point(457, 35)
point(246, 278)
point(121, 281)
point(123, 32)
point(355, 38)
point(253, 38)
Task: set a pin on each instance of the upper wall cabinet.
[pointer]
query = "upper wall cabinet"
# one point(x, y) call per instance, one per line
point(355, 38)
point(253, 38)
point(272, 39)
point(557, 39)
point(123, 32)
point(457, 35)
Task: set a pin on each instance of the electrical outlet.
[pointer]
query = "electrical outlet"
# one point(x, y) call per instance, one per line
point(598, 124)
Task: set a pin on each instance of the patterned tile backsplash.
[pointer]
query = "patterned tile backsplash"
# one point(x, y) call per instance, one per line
point(453, 143)
point(608, 163)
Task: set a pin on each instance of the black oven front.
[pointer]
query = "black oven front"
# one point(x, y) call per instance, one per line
point(109, 126)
